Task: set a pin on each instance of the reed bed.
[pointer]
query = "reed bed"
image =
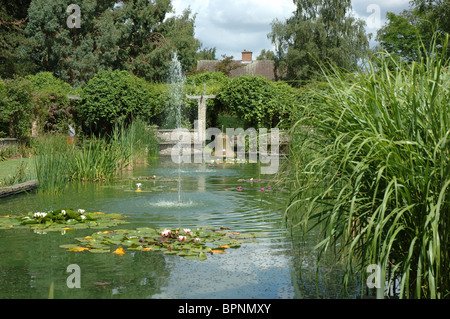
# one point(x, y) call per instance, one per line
point(95, 159)
point(52, 163)
point(369, 168)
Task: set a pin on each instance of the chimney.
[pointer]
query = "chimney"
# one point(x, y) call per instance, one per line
point(247, 56)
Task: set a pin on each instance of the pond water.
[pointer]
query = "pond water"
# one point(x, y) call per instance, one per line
point(30, 262)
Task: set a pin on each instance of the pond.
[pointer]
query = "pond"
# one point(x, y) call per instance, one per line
point(268, 268)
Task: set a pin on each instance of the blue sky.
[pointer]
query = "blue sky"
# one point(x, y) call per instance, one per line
point(234, 25)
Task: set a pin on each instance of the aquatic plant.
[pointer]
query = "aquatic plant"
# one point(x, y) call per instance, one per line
point(193, 244)
point(369, 168)
point(61, 220)
point(53, 162)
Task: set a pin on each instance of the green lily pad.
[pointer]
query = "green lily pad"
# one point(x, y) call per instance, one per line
point(190, 244)
point(58, 220)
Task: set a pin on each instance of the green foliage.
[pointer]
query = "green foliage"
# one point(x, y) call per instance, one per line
point(52, 109)
point(20, 175)
point(258, 101)
point(61, 220)
point(207, 83)
point(206, 54)
point(111, 37)
point(58, 162)
point(16, 107)
point(118, 96)
point(186, 243)
point(13, 15)
point(47, 83)
point(52, 163)
point(404, 33)
point(319, 30)
point(369, 168)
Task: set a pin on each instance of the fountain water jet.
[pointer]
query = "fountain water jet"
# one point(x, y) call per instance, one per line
point(177, 79)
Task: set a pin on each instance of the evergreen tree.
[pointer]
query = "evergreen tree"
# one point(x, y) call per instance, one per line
point(13, 16)
point(319, 30)
point(133, 35)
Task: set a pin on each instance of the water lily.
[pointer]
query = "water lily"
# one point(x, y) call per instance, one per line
point(196, 240)
point(83, 217)
point(81, 211)
point(63, 212)
point(262, 189)
point(239, 188)
point(187, 230)
point(166, 233)
point(182, 238)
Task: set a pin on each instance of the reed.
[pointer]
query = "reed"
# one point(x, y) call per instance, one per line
point(52, 163)
point(94, 159)
point(369, 168)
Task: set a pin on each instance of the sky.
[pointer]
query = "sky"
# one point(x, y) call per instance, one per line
point(232, 26)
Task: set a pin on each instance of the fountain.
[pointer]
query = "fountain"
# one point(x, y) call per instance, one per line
point(177, 79)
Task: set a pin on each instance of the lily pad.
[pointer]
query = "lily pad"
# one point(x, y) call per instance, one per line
point(186, 243)
point(58, 220)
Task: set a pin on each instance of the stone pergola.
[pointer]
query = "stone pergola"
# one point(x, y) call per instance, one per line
point(201, 113)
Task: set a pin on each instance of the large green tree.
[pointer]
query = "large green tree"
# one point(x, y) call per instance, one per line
point(13, 17)
point(425, 21)
point(319, 30)
point(133, 35)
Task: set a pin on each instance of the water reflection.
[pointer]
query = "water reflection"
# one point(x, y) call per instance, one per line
point(30, 262)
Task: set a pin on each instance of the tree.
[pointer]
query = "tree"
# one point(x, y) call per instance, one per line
point(206, 54)
point(404, 33)
point(266, 55)
point(227, 64)
point(133, 35)
point(319, 31)
point(13, 16)
point(16, 104)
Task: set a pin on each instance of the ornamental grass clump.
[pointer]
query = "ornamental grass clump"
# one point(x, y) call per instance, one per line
point(370, 169)
point(53, 162)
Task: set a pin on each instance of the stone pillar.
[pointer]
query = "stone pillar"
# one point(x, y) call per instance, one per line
point(201, 129)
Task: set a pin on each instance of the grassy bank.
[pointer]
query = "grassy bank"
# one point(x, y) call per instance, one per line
point(369, 168)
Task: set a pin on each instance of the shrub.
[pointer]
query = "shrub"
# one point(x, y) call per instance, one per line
point(16, 107)
point(110, 96)
point(52, 109)
point(258, 101)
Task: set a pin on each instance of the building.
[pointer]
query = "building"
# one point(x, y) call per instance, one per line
point(245, 66)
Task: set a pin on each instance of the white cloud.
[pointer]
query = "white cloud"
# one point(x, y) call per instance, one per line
point(234, 25)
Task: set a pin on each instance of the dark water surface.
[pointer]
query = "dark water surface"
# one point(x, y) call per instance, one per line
point(30, 261)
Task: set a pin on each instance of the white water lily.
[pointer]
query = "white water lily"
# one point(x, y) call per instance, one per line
point(81, 211)
point(63, 212)
point(166, 233)
point(187, 230)
point(83, 217)
point(182, 238)
point(39, 214)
